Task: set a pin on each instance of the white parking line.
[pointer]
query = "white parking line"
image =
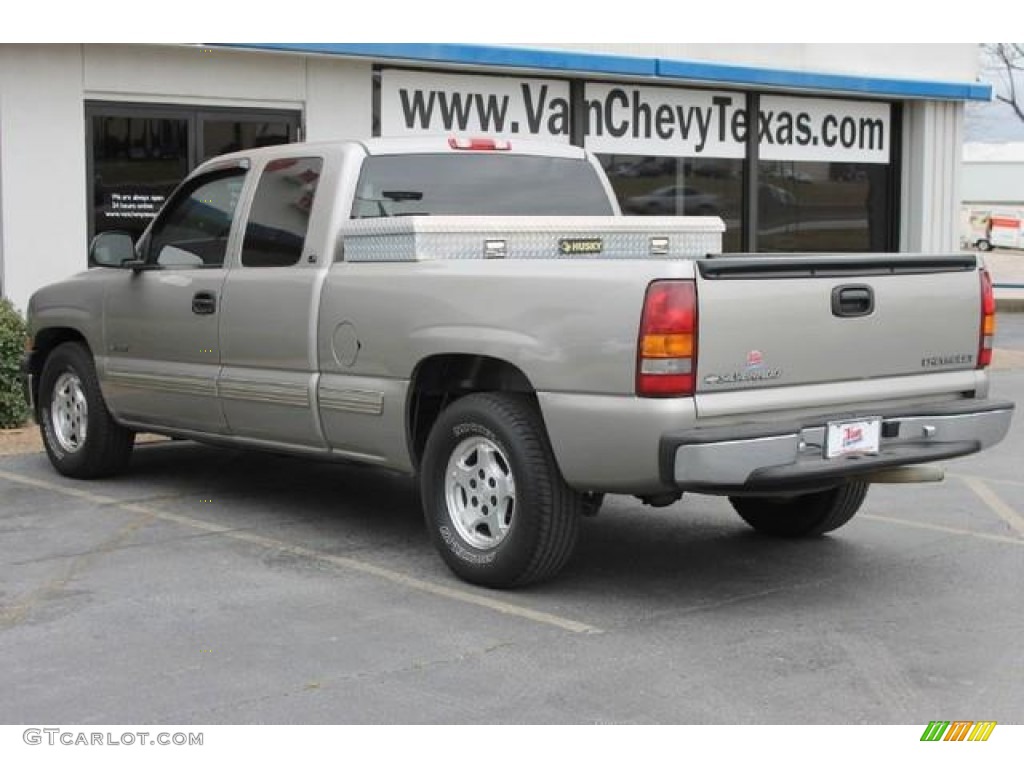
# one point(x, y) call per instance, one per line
point(395, 577)
point(994, 503)
point(942, 529)
point(999, 481)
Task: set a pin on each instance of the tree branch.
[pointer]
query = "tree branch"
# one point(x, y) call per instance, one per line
point(1008, 60)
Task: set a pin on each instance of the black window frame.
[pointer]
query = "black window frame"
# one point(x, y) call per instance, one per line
point(193, 114)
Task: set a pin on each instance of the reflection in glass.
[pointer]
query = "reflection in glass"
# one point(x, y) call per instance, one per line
point(137, 162)
point(821, 206)
point(223, 136)
point(193, 231)
point(670, 186)
point(139, 156)
point(279, 217)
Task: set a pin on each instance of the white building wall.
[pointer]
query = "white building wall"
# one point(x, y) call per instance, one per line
point(339, 99)
point(42, 166)
point(933, 133)
point(1001, 183)
point(192, 75)
point(43, 90)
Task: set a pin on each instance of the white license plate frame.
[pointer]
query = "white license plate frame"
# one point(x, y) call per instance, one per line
point(853, 437)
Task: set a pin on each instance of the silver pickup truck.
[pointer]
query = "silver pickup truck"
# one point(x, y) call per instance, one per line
point(480, 314)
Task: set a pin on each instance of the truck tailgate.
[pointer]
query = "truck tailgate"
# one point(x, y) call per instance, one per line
point(787, 321)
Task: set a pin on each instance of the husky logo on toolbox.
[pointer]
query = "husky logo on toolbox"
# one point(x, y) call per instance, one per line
point(577, 245)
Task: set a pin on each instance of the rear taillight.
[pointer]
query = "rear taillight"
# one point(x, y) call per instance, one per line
point(667, 350)
point(484, 144)
point(988, 320)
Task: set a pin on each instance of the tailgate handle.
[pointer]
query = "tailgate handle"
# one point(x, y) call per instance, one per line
point(853, 300)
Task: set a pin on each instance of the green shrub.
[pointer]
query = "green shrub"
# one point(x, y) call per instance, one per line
point(13, 408)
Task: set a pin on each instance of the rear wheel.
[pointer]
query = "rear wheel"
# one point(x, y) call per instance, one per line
point(80, 437)
point(811, 514)
point(495, 503)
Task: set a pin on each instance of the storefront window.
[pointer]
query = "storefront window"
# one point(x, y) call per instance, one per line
point(670, 186)
point(139, 153)
point(824, 176)
point(221, 136)
point(819, 206)
point(137, 162)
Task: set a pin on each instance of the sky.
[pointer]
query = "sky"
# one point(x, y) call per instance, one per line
point(994, 121)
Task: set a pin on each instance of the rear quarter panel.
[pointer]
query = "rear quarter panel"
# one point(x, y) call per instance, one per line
point(569, 326)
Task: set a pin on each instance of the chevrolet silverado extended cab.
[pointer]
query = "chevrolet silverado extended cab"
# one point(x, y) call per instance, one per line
point(479, 314)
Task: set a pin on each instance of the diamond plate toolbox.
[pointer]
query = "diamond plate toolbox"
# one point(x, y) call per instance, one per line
point(431, 238)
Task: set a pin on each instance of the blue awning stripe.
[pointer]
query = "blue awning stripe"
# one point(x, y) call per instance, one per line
point(674, 70)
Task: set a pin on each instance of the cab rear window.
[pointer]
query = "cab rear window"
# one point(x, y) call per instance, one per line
point(478, 184)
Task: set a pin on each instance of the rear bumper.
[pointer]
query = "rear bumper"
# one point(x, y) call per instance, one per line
point(791, 456)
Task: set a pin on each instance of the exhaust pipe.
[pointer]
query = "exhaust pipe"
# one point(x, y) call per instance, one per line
point(916, 474)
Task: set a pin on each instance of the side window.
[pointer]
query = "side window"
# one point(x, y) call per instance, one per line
point(279, 219)
point(193, 231)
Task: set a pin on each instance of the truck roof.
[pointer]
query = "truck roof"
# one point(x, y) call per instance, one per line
point(433, 144)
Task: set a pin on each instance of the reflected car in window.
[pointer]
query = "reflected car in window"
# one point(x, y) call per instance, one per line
point(674, 199)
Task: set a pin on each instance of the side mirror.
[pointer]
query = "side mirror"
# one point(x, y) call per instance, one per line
point(112, 249)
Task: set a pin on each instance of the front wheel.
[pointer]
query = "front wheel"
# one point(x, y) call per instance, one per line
point(804, 516)
point(495, 503)
point(79, 434)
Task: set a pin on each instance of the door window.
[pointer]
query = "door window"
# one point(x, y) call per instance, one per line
point(193, 231)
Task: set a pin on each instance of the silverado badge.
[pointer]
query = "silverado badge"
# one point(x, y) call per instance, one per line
point(755, 370)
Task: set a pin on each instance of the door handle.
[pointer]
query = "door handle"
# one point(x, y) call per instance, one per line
point(853, 300)
point(204, 303)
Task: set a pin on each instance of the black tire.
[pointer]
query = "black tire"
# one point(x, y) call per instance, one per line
point(984, 245)
point(81, 438)
point(811, 514)
point(500, 539)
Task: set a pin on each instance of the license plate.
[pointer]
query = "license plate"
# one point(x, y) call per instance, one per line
point(846, 438)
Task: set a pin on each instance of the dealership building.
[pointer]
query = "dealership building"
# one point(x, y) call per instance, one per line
point(798, 147)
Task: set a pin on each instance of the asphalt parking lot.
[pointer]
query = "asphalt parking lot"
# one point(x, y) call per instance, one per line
point(213, 586)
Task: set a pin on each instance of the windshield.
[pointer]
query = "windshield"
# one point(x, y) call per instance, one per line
point(478, 184)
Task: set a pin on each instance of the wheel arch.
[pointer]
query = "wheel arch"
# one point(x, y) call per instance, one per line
point(441, 379)
point(44, 342)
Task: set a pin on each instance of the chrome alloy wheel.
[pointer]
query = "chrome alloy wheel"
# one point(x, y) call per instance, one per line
point(480, 492)
point(69, 412)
